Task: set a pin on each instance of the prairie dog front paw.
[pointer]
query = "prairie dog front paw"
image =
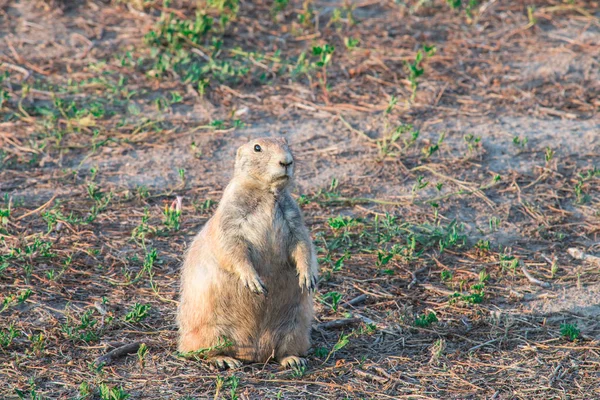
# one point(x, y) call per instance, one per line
point(307, 280)
point(253, 282)
point(293, 362)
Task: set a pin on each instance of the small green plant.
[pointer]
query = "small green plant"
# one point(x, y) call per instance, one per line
point(141, 353)
point(483, 246)
point(383, 258)
point(94, 191)
point(367, 329)
point(415, 69)
point(425, 320)
point(233, 382)
point(388, 145)
point(431, 149)
point(37, 343)
point(442, 236)
point(470, 7)
point(339, 263)
point(476, 295)
point(553, 269)
point(4, 215)
point(299, 372)
point(143, 229)
point(532, 19)
point(483, 276)
point(306, 16)
point(172, 214)
point(332, 299)
point(581, 196)
point(7, 336)
point(454, 4)
point(340, 222)
point(143, 192)
point(31, 393)
point(570, 331)
point(24, 295)
point(437, 350)
point(85, 329)
point(112, 393)
point(223, 343)
point(324, 54)
point(579, 188)
point(279, 5)
point(351, 43)
point(473, 142)
point(340, 15)
point(548, 154)
point(494, 223)
point(137, 313)
point(446, 275)
point(420, 184)
point(84, 390)
point(321, 352)
point(520, 141)
point(508, 261)
point(101, 200)
point(342, 342)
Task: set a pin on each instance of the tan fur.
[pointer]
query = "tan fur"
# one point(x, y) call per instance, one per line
point(250, 274)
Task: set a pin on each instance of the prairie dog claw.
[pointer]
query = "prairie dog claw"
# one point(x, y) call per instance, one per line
point(307, 281)
point(293, 362)
point(225, 362)
point(254, 283)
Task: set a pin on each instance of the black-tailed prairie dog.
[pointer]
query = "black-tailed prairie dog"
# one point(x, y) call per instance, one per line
point(249, 276)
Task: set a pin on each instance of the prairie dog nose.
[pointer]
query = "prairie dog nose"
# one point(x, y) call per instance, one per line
point(286, 160)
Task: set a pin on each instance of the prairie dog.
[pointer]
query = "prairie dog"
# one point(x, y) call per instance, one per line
point(250, 274)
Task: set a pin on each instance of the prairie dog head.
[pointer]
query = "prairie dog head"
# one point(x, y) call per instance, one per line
point(265, 162)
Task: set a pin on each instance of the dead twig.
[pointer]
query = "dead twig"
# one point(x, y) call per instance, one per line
point(37, 209)
point(122, 351)
point(414, 276)
point(534, 280)
point(357, 300)
point(26, 73)
point(337, 323)
point(580, 255)
point(368, 375)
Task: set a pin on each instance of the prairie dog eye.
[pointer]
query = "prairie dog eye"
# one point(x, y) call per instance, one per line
point(257, 148)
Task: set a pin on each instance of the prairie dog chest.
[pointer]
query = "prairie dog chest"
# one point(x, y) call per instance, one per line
point(269, 223)
point(269, 229)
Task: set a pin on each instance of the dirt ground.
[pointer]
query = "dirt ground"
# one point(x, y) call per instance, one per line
point(444, 201)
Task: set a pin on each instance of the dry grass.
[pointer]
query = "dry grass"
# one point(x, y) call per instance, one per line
point(93, 133)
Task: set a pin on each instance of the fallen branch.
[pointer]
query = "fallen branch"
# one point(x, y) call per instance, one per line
point(483, 344)
point(368, 375)
point(118, 352)
point(26, 73)
point(439, 290)
point(580, 255)
point(357, 300)
point(37, 209)
point(337, 323)
point(533, 280)
point(414, 276)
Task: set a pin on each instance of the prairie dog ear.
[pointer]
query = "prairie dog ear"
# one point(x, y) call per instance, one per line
point(238, 153)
